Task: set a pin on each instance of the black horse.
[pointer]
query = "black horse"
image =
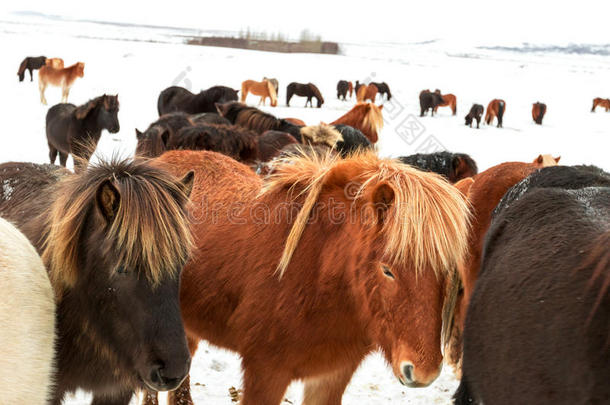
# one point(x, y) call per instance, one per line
point(453, 166)
point(114, 239)
point(77, 130)
point(353, 140)
point(308, 90)
point(475, 113)
point(537, 326)
point(176, 98)
point(30, 63)
point(383, 89)
point(343, 87)
point(429, 101)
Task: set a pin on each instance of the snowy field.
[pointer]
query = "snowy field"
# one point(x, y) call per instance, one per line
point(138, 71)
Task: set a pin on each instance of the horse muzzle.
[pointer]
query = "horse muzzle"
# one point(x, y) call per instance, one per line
point(160, 378)
point(408, 376)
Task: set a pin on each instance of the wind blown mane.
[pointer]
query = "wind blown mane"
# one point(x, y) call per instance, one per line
point(256, 120)
point(426, 224)
point(322, 133)
point(366, 117)
point(150, 231)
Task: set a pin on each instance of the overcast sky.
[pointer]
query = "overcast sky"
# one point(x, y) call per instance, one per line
point(536, 21)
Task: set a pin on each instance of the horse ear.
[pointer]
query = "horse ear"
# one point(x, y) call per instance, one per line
point(186, 183)
point(464, 185)
point(139, 134)
point(108, 199)
point(539, 159)
point(382, 199)
point(557, 159)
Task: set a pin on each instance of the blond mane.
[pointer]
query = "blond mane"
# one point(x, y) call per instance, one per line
point(426, 225)
point(322, 134)
point(149, 232)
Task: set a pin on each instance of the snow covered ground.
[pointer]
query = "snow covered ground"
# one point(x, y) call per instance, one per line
point(139, 70)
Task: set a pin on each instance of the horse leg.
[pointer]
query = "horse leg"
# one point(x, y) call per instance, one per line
point(65, 91)
point(52, 154)
point(478, 122)
point(263, 385)
point(121, 399)
point(329, 388)
point(63, 158)
point(31, 76)
point(42, 86)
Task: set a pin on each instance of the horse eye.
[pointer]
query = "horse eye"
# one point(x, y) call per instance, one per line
point(387, 272)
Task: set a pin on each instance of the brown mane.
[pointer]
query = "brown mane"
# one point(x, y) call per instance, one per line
point(148, 233)
point(366, 117)
point(416, 232)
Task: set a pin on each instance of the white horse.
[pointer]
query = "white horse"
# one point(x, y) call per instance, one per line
point(27, 321)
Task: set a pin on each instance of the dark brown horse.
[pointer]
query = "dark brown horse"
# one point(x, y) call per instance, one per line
point(114, 240)
point(30, 63)
point(153, 141)
point(453, 166)
point(429, 101)
point(537, 328)
point(327, 261)
point(256, 120)
point(308, 90)
point(383, 89)
point(176, 98)
point(475, 113)
point(271, 143)
point(343, 87)
point(77, 130)
point(538, 111)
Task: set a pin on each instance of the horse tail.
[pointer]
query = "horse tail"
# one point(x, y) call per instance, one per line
point(351, 89)
point(595, 100)
point(22, 67)
point(272, 93)
point(462, 395)
point(289, 92)
point(454, 106)
point(244, 91)
point(541, 111)
point(500, 110)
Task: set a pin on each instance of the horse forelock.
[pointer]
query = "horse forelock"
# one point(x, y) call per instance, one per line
point(149, 232)
point(426, 226)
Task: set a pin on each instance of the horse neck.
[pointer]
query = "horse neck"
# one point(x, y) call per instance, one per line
point(202, 101)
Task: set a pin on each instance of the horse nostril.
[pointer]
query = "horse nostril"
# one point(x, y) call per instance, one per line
point(407, 372)
point(156, 375)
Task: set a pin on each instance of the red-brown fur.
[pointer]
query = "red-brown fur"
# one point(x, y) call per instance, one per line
point(483, 194)
point(493, 111)
point(338, 298)
point(366, 92)
point(296, 121)
point(63, 78)
point(357, 118)
point(350, 89)
point(538, 112)
point(449, 100)
point(602, 102)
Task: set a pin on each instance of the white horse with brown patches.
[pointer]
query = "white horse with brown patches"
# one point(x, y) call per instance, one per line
point(27, 321)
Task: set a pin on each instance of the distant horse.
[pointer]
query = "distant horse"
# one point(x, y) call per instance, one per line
point(475, 113)
point(264, 89)
point(30, 63)
point(453, 166)
point(357, 86)
point(322, 290)
point(429, 101)
point(114, 240)
point(383, 89)
point(308, 90)
point(538, 111)
point(62, 77)
point(495, 109)
point(343, 86)
point(483, 194)
point(353, 141)
point(77, 130)
point(231, 140)
point(546, 160)
point(449, 100)
point(256, 120)
point(176, 98)
point(365, 117)
point(366, 92)
point(153, 142)
point(27, 322)
point(540, 309)
point(602, 102)
point(275, 83)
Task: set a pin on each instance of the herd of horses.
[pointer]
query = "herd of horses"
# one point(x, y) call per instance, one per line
point(301, 249)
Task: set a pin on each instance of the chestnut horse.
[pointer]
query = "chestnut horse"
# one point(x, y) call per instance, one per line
point(495, 109)
point(265, 89)
point(327, 261)
point(483, 194)
point(366, 92)
point(538, 111)
point(60, 77)
point(537, 328)
point(602, 102)
point(365, 117)
point(449, 100)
